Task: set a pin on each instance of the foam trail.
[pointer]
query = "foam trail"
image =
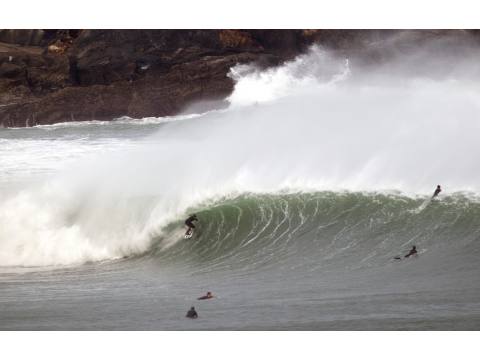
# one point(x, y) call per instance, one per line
point(325, 129)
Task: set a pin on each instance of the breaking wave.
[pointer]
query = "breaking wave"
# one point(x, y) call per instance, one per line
point(313, 163)
point(326, 230)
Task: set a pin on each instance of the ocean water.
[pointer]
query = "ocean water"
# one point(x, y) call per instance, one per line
point(306, 187)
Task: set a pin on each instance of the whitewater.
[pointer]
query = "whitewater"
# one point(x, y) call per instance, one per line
point(317, 174)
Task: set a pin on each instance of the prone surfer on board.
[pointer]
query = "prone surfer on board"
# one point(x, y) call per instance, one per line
point(190, 225)
point(413, 251)
point(206, 297)
point(437, 191)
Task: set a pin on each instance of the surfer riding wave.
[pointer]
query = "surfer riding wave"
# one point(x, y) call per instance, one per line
point(190, 225)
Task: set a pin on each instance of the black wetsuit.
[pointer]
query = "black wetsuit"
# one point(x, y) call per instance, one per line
point(190, 220)
point(205, 297)
point(192, 314)
point(412, 252)
point(437, 191)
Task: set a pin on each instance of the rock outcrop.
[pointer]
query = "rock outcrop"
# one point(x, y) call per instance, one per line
point(72, 75)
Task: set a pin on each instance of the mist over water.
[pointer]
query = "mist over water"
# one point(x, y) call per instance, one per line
point(319, 123)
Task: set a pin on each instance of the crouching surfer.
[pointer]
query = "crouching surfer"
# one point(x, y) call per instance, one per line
point(206, 297)
point(190, 225)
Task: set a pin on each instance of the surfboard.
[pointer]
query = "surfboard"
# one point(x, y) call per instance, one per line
point(189, 235)
point(400, 257)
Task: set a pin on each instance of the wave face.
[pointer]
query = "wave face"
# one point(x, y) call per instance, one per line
point(323, 126)
point(326, 230)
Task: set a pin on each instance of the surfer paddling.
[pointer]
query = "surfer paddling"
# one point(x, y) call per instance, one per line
point(190, 225)
point(413, 251)
point(206, 297)
point(437, 191)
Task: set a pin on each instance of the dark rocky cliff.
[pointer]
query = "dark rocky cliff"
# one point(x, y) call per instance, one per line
point(64, 75)
point(49, 76)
